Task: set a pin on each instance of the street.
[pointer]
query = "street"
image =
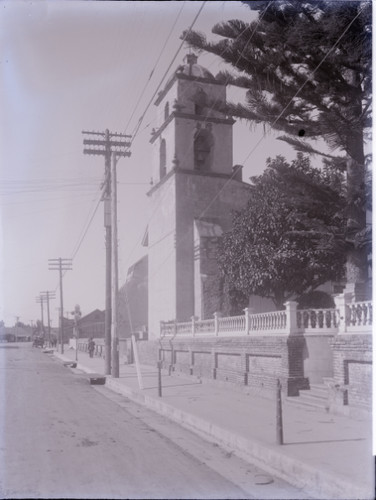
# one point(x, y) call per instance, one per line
point(62, 437)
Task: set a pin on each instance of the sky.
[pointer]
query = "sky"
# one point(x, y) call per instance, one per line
point(68, 66)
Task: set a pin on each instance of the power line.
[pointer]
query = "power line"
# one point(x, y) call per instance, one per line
point(307, 80)
point(110, 145)
point(134, 134)
point(167, 190)
point(210, 109)
point(87, 225)
point(60, 265)
point(188, 87)
point(48, 295)
point(234, 173)
point(86, 229)
point(153, 96)
point(154, 67)
point(140, 121)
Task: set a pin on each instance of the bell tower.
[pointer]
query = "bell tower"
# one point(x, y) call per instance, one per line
point(190, 134)
point(194, 191)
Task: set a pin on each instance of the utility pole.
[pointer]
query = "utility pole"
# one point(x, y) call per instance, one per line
point(60, 265)
point(108, 144)
point(77, 316)
point(40, 300)
point(48, 295)
point(115, 283)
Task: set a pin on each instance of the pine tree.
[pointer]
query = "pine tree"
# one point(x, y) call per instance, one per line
point(284, 243)
point(307, 70)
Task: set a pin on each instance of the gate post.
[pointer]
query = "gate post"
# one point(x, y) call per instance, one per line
point(279, 422)
point(216, 326)
point(193, 326)
point(291, 319)
point(246, 313)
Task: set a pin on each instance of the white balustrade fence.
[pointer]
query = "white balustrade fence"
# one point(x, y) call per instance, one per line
point(231, 324)
point(353, 317)
point(317, 319)
point(184, 328)
point(204, 326)
point(359, 314)
point(168, 328)
point(268, 321)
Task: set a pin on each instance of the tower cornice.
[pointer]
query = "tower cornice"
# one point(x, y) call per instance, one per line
point(182, 76)
point(178, 171)
point(198, 118)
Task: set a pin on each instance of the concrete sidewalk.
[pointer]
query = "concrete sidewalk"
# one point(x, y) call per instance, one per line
point(329, 456)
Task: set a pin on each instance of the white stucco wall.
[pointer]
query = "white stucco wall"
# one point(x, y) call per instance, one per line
point(162, 257)
point(193, 194)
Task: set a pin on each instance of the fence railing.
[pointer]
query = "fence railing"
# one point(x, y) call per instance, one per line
point(184, 328)
point(355, 317)
point(204, 326)
point(316, 319)
point(272, 321)
point(359, 314)
point(231, 324)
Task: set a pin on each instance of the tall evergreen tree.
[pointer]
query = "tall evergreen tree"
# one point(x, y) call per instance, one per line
point(306, 66)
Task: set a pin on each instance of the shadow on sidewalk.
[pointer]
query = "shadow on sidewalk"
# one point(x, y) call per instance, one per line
point(165, 387)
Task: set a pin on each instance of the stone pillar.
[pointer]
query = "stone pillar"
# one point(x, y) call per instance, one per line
point(191, 361)
point(246, 313)
point(291, 319)
point(216, 326)
point(193, 325)
point(340, 302)
point(214, 363)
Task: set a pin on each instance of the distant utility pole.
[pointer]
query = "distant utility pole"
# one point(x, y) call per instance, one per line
point(109, 144)
point(60, 265)
point(40, 300)
point(48, 295)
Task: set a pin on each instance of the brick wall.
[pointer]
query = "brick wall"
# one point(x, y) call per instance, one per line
point(352, 370)
point(256, 362)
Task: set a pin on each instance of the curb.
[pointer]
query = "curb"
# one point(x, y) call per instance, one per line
point(314, 481)
point(79, 366)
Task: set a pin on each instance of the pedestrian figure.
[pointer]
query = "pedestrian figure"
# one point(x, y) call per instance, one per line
point(91, 347)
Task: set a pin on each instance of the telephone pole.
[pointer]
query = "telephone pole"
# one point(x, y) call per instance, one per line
point(108, 144)
point(60, 265)
point(48, 295)
point(115, 283)
point(40, 300)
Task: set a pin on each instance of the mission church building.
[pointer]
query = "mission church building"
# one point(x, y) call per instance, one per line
point(195, 191)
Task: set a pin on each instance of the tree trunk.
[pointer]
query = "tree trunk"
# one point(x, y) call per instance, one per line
point(356, 258)
point(279, 299)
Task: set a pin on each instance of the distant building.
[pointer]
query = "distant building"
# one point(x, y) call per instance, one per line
point(15, 333)
point(91, 325)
